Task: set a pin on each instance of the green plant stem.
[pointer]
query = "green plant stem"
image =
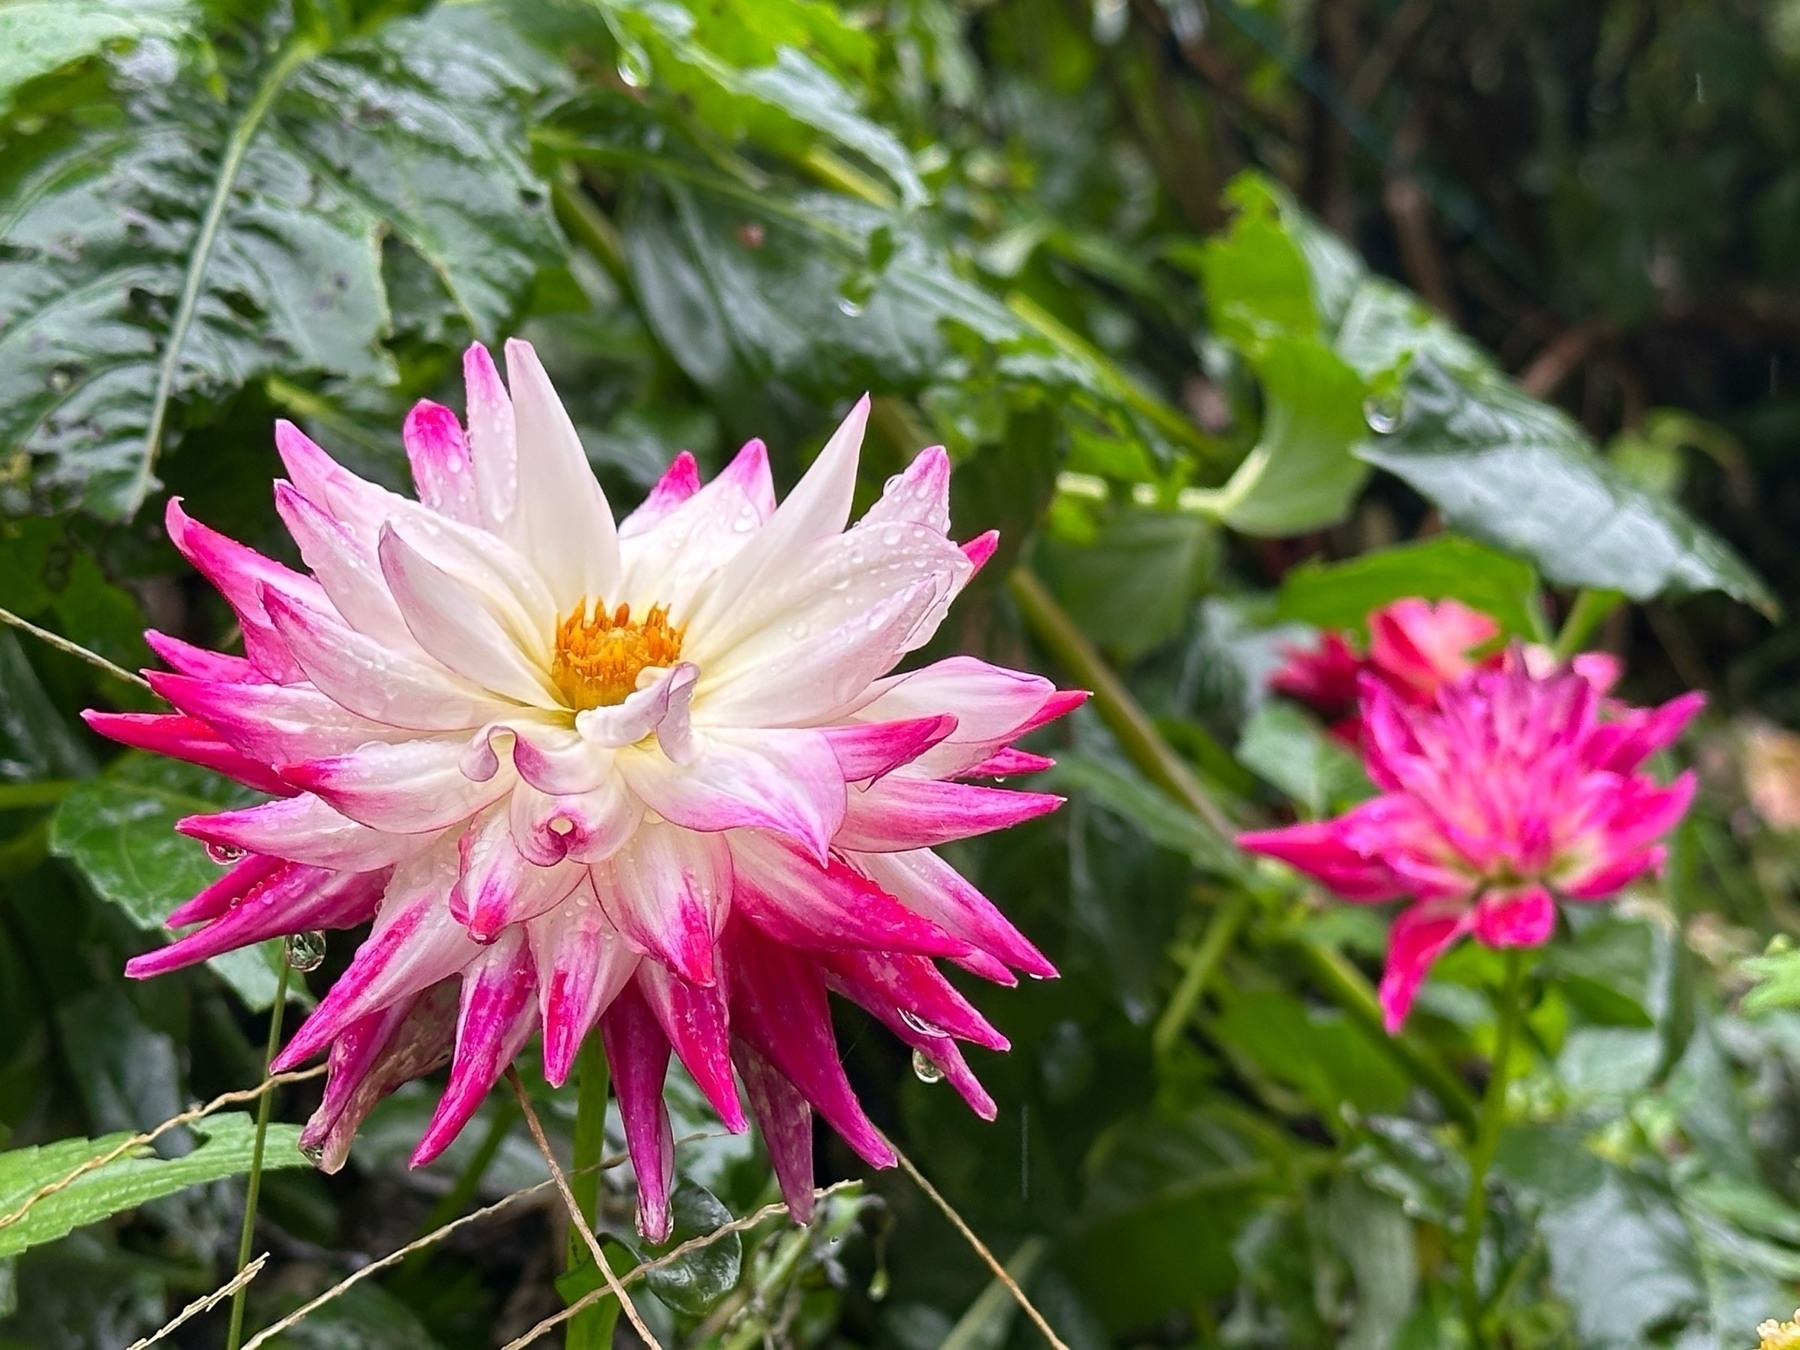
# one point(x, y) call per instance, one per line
point(590, 227)
point(253, 1189)
point(1124, 717)
point(1487, 1139)
point(1587, 613)
point(1221, 929)
point(589, 1328)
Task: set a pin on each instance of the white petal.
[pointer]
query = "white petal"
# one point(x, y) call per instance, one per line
point(563, 521)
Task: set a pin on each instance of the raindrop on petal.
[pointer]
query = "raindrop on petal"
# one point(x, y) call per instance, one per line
point(313, 1153)
point(1382, 413)
point(924, 1070)
point(225, 854)
point(305, 951)
point(920, 1025)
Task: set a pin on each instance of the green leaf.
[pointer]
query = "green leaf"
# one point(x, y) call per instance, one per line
point(1519, 475)
point(224, 1150)
point(1322, 1054)
point(119, 831)
point(1125, 793)
point(1130, 587)
point(1376, 1239)
point(39, 36)
point(167, 247)
point(1284, 746)
point(694, 1284)
point(1342, 595)
point(755, 68)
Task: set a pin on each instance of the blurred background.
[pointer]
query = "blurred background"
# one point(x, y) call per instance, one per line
point(1239, 318)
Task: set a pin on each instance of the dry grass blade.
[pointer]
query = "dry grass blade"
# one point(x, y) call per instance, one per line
point(137, 1141)
point(576, 1216)
point(205, 1301)
point(981, 1248)
point(398, 1255)
point(668, 1258)
point(75, 649)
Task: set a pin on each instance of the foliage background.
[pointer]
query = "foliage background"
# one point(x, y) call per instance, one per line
point(1153, 271)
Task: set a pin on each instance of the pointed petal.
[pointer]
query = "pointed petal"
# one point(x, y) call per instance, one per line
point(668, 891)
point(778, 1006)
point(563, 522)
point(303, 830)
point(638, 1053)
point(787, 781)
point(190, 740)
point(695, 1020)
point(242, 575)
point(295, 900)
point(438, 451)
point(900, 813)
point(801, 904)
point(868, 750)
point(582, 963)
point(679, 482)
point(497, 887)
point(242, 877)
point(784, 1120)
point(199, 662)
point(493, 437)
point(273, 723)
point(928, 885)
point(413, 787)
point(1420, 935)
point(910, 992)
point(494, 1020)
point(1524, 918)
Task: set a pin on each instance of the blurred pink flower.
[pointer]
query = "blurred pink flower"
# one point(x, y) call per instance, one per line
point(649, 777)
point(1416, 647)
point(1514, 790)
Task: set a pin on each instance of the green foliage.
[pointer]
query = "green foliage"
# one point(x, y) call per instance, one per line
point(135, 1178)
point(1140, 268)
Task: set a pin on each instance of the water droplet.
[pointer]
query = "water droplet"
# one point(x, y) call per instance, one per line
point(849, 308)
point(634, 65)
point(1382, 414)
point(305, 951)
point(920, 1025)
point(924, 1070)
point(225, 854)
point(313, 1153)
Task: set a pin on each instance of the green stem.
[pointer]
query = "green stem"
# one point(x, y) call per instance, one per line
point(1587, 613)
point(1220, 930)
point(1137, 735)
point(589, 226)
point(297, 54)
point(590, 1328)
point(253, 1191)
point(1487, 1139)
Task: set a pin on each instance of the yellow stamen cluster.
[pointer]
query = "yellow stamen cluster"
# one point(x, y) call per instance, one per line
point(598, 658)
point(1780, 1335)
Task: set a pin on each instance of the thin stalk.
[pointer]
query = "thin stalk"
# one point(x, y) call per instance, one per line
point(75, 649)
point(592, 1078)
point(1587, 613)
point(590, 227)
point(1137, 735)
point(452, 1203)
point(1221, 929)
point(297, 54)
point(1487, 1139)
point(253, 1189)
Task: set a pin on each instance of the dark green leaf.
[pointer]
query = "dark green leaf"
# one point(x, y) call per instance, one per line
point(39, 36)
point(696, 1282)
point(1284, 746)
point(119, 832)
point(224, 1150)
point(1322, 1054)
point(1342, 595)
point(1517, 474)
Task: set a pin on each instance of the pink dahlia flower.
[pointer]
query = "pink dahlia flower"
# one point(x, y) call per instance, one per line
point(649, 776)
point(1416, 647)
point(1513, 791)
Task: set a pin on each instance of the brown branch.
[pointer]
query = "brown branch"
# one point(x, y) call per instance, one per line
point(205, 1301)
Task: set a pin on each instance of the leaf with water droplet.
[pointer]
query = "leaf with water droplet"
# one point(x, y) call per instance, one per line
point(694, 1284)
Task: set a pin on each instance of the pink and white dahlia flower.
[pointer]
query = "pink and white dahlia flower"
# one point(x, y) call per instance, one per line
point(649, 776)
point(1512, 791)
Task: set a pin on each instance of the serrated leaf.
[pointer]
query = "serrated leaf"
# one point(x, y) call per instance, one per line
point(119, 831)
point(1519, 475)
point(224, 1150)
point(126, 294)
point(1342, 595)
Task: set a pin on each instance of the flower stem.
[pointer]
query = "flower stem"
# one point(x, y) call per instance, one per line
point(1587, 614)
point(1487, 1139)
point(253, 1189)
point(592, 1326)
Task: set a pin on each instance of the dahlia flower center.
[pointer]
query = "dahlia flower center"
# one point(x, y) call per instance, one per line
point(599, 656)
